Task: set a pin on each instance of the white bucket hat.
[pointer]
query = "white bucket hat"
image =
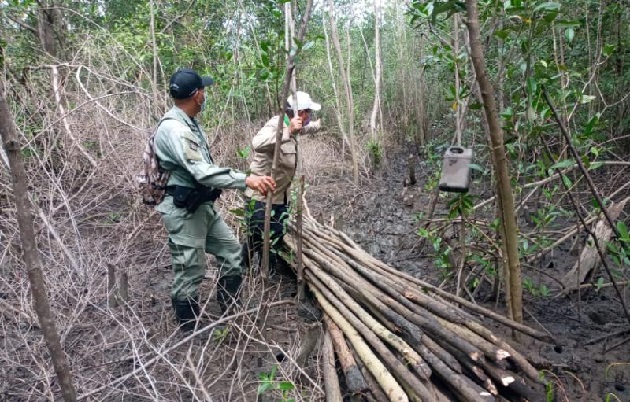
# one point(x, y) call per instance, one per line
point(303, 101)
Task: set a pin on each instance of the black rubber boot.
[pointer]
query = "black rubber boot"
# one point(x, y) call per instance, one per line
point(228, 290)
point(186, 313)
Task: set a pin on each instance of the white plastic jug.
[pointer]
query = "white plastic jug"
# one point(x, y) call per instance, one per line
point(456, 173)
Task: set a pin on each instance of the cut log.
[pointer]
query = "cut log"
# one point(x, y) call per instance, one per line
point(331, 381)
point(367, 325)
point(355, 381)
point(376, 393)
point(388, 384)
point(589, 259)
point(354, 251)
point(490, 351)
point(411, 340)
point(398, 368)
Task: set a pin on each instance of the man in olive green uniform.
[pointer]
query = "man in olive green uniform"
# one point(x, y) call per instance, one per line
point(193, 225)
point(263, 145)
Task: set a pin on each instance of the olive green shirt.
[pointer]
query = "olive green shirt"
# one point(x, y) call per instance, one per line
point(182, 149)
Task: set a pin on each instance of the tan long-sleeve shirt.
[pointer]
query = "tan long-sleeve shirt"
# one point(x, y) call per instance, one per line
point(263, 145)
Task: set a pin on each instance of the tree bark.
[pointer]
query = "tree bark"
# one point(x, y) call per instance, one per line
point(508, 228)
point(31, 254)
point(347, 90)
point(46, 21)
point(375, 130)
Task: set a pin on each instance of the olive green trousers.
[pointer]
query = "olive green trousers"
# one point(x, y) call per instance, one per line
point(191, 236)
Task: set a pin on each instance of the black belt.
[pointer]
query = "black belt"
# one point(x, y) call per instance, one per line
point(201, 193)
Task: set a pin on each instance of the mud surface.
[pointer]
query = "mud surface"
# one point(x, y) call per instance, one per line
point(383, 217)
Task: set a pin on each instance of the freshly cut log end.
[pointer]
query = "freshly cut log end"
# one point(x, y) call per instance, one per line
point(501, 355)
point(506, 381)
point(475, 356)
point(408, 339)
point(488, 384)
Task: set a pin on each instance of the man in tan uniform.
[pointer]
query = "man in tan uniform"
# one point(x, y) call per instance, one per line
point(263, 145)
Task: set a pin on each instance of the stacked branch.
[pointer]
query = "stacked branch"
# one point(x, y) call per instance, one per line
point(398, 337)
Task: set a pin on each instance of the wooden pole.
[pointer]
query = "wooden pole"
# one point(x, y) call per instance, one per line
point(279, 135)
point(299, 265)
point(331, 381)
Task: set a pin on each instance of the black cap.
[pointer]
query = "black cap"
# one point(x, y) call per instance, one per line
point(185, 82)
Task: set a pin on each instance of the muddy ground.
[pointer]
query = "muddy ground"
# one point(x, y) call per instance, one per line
point(111, 346)
point(382, 216)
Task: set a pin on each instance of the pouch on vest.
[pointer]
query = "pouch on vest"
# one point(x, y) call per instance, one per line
point(181, 196)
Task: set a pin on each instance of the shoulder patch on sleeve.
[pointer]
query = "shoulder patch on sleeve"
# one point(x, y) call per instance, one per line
point(191, 146)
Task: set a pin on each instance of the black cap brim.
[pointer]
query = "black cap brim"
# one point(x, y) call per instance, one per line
point(207, 81)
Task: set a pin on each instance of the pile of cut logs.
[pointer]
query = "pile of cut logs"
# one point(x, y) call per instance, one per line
point(399, 338)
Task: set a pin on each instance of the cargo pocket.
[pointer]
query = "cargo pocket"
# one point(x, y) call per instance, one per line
point(185, 228)
point(288, 155)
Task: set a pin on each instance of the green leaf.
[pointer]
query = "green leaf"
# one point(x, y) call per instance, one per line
point(566, 163)
point(595, 165)
point(28, 152)
point(599, 283)
point(263, 74)
point(587, 98)
point(262, 388)
point(545, 292)
point(548, 6)
point(623, 230)
point(608, 50)
point(531, 86)
point(286, 386)
point(569, 34)
point(567, 181)
point(449, 7)
point(502, 33)
point(567, 23)
point(590, 124)
point(265, 59)
point(475, 166)
point(237, 211)
point(507, 113)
